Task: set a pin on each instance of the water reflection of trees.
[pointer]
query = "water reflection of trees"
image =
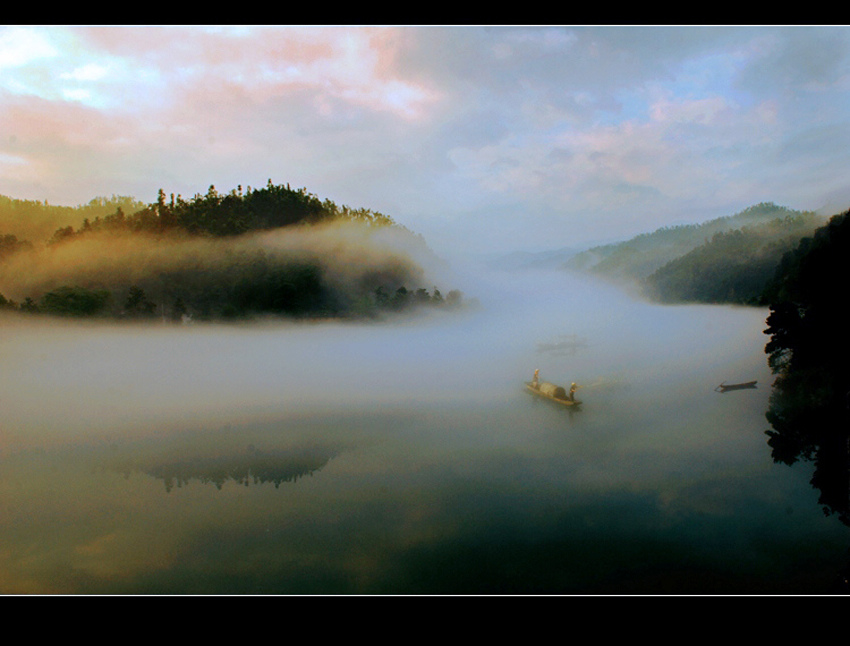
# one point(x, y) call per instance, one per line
point(808, 427)
point(254, 466)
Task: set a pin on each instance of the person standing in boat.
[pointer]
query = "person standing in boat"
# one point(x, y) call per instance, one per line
point(535, 380)
point(573, 389)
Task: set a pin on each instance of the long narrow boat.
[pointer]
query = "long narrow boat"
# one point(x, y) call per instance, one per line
point(722, 388)
point(551, 392)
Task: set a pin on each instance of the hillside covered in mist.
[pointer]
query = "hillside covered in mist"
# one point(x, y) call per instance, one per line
point(35, 221)
point(272, 251)
point(733, 266)
point(725, 260)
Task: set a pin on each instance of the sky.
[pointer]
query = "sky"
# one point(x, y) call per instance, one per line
point(489, 139)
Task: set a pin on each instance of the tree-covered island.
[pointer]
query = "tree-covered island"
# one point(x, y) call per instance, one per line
point(273, 251)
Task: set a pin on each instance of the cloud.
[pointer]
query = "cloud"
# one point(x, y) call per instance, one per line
point(679, 150)
point(627, 127)
point(20, 46)
point(353, 66)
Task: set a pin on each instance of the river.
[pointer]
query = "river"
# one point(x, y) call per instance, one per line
point(405, 457)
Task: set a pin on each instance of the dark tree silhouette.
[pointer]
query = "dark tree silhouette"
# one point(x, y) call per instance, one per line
point(74, 301)
point(810, 354)
point(138, 305)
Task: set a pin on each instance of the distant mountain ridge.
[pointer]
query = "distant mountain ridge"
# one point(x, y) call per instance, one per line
point(733, 266)
point(639, 257)
point(725, 260)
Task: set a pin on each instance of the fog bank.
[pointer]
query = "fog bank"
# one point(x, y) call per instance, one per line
point(70, 377)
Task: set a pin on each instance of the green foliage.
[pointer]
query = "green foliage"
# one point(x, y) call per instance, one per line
point(733, 266)
point(639, 257)
point(229, 279)
point(29, 306)
point(10, 244)
point(137, 304)
point(406, 300)
point(401, 299)
point(808, 302)
point(74, 301)
point(294, 290)
point(227, 214)
point(179, 310)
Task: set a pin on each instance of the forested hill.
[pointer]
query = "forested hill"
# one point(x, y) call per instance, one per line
point(733, 266)
point(272, 251)
point(639, 257)
point(229, 214)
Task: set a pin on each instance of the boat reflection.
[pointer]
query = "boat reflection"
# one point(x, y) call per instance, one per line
point(567, 345)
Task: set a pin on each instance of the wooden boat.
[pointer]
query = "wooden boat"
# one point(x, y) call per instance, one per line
point(724, 387)
point(553, 393)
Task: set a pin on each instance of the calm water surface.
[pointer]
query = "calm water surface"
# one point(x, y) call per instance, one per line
point(405, 457)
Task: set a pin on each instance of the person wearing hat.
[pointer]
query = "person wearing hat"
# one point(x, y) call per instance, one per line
point(573, 389)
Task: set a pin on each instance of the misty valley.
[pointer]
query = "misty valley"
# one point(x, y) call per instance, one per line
point(201, 399)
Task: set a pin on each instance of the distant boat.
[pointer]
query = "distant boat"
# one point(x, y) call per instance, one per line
point(724, 387)
point(557, 394)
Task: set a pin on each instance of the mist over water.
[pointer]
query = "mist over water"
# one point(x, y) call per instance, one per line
point(404, 456)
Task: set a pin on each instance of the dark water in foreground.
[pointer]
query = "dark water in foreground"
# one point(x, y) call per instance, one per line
point(406, 458)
